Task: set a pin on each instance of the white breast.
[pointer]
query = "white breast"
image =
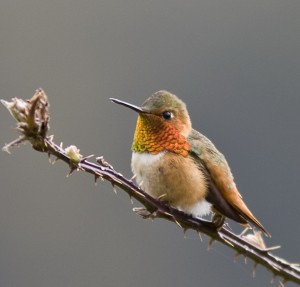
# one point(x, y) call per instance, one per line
point(145, 158)
point(140, 163)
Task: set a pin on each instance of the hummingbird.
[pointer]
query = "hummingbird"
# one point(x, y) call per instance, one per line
point(174, 163)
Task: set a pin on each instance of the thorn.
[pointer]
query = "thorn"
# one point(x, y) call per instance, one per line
point(210, 242)
point(61, 144)
point(50, 138)
point(254, 270)
point(6, 149)
point(96, 176)
point(245, 259)
point(177, 222)
point(80, 168)
point(15, 142)
point(272, 248)
point(53, 161)
point(131, 200)
point(199, 235)
point(140, 194)
point(87, 157)
point(114, 188)
point(228, 242)
point(71, 171)
point(184, 232)
point(273, 279)
point(168, 214)
point(236, 256)
point(281, 283)
point(133, 177)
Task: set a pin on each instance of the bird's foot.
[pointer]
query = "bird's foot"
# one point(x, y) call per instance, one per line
point(218, 220)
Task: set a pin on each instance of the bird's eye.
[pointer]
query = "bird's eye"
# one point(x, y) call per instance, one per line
point(167, 115)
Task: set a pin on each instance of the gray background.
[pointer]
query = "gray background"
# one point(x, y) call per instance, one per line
point(235, 63)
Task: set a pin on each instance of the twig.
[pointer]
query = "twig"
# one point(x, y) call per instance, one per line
point(33, 123)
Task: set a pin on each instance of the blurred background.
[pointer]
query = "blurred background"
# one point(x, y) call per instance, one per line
point(235, 63)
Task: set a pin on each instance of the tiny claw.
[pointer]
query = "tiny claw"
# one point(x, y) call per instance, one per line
point(218, 220)
point(141, 185)
point(255, 239)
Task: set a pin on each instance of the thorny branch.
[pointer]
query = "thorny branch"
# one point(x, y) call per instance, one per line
point(32, 118)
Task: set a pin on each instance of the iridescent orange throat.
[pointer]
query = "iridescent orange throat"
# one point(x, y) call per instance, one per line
point(152, 135)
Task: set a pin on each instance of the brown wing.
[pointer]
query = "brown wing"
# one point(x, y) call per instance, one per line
point(221, 182)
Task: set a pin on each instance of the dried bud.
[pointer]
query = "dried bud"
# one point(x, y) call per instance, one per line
point(73, 153)
point(17, 108)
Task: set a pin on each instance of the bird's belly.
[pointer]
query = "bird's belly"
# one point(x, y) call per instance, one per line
point(174, 179)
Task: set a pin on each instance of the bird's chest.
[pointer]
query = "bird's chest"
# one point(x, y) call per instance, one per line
point(170, 177)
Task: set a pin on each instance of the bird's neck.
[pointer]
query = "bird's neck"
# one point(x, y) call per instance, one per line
point(153, 136)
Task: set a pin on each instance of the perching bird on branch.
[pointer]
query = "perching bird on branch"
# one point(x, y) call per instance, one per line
point(179, 165)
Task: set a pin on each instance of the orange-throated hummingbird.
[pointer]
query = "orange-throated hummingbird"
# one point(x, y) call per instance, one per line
point(179, 165)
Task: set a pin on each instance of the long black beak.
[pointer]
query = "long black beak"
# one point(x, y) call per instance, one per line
point(130, 106)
